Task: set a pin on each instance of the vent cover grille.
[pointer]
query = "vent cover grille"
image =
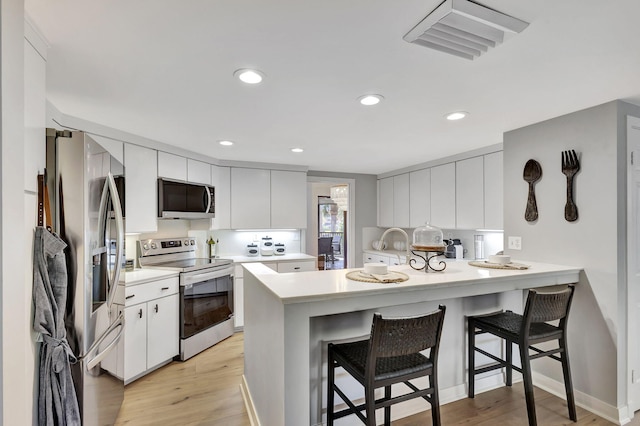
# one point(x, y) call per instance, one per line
point(463, 28)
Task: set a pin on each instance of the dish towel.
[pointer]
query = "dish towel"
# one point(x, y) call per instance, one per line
point(511, 265)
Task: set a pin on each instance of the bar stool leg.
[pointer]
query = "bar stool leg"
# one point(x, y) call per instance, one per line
point(387, 410)
point(509, 349)
point(528, 383)
point(435, 399)
point(330, 391)
point(568, 384)
point(370, 405)
point(471, 346)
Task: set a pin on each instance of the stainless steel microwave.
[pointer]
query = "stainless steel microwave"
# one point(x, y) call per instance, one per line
point(185, 200)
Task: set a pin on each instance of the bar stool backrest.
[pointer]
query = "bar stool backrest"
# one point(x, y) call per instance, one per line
point(403, 336)
point(546, 307)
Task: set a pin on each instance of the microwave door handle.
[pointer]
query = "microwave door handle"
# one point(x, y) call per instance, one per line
point(209, 200)
point(117, 210)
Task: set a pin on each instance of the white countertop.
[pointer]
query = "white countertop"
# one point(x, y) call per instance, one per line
point(333, 284)
point(139, 276)
point(284, 258)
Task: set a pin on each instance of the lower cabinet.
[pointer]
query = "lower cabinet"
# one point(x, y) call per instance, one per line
point(152, 326)
point(298, 266)
point(388, 259)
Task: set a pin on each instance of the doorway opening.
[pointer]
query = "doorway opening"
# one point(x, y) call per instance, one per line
point(329, 223)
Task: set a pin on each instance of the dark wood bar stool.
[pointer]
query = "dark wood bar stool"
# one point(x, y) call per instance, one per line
point(390, 355)
point(525, 330)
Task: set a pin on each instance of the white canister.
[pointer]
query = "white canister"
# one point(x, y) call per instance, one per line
point(459, 251)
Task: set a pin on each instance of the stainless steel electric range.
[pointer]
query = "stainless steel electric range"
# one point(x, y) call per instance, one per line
point(206, 291)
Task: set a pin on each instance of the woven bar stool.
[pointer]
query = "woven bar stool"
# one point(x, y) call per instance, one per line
point(526, 330)
point(390, 355)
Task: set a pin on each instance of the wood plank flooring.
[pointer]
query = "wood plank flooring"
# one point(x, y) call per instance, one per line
point(205, 390)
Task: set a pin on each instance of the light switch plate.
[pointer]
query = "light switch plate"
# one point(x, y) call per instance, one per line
point(515, 243)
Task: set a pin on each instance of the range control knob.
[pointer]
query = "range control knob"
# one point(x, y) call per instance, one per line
point(145, 246)
point(154, 246)
point(193, 242)
point(186, 242)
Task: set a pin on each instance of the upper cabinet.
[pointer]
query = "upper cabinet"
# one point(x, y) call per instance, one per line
point(493, 191)
point(443, 196)
point(198, 172)
point(250, 198)
point(141, 173)
point(470, 193)
point(288, 199)
point(172, 166)
point(263, 199)
point(419, 197)
point(385, 202)
point(465, 194)
point(221, 181)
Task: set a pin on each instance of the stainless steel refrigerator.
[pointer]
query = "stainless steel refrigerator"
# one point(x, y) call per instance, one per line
point(84, 180)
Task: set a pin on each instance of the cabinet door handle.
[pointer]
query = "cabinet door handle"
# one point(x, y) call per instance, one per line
point(297, 267)
point(164, 288)
point(140, 313)
point(156, 308)
point(130, 297)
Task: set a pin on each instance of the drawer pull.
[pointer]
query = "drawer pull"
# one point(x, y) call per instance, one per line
point(164, 288)
point(140, 313)
point(297, 267)
point(130, 297)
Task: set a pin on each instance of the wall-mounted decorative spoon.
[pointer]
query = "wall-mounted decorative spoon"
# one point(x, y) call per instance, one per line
point(532, 173)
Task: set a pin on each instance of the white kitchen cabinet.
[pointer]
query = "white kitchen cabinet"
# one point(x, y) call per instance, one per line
point(374, 258)
point(443, 196)
point(419, 197)
point(141, 172)
point(238, 297)
point(152, 326)
point(288, 199)
point(221, 180)
point(198, 171)
point(401, 200)
point(250, 198)
point(172, 166)
point(35, 102)
point(385, 202)
point(470, 193)
point(493, 191)
point(297, 266)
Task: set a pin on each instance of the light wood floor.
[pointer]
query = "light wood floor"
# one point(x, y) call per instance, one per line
point(205, 390)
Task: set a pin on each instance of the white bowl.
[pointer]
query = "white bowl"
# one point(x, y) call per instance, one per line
point(379, 245)
point(375, 268)
point(500, 259)
point(399, 245)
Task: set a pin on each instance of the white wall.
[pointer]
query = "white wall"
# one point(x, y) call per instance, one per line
point(597, 321)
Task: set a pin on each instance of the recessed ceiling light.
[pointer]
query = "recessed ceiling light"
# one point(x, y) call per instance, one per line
point(249, 76)
point(458, 115)
point(297, 150)
point(369, 100)
point(226, 143)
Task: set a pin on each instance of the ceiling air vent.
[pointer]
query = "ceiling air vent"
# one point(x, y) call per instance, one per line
point(463, 28)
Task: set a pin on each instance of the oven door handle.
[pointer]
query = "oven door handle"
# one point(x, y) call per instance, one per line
point(206, 276)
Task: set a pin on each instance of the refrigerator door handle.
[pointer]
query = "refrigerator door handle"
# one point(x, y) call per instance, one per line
point(100, 356)
point(117, 210)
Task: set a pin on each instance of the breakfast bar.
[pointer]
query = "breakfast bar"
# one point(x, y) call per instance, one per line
point(290, 318)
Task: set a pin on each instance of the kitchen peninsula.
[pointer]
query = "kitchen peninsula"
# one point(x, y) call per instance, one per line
point(290, 318)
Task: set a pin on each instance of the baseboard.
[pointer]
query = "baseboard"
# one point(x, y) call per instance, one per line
point(248, 402)
point(619, 416)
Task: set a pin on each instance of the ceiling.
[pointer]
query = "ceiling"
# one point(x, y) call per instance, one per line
point(164, 70)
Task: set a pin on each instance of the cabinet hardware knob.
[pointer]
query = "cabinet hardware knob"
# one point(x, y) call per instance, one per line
point(165, 288)
point(130, 297)
point(156, 308)
point(140, 313)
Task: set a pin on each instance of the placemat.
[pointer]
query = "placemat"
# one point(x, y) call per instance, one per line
point(391, 277)
point(511, 265)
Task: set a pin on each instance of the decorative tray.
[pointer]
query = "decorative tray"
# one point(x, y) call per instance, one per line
point(427, 248)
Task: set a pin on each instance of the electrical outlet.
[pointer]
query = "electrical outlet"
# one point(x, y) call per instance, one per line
point(515, 243)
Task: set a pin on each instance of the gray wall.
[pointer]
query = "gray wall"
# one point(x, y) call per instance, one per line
point(596, 241)
point(366, 188)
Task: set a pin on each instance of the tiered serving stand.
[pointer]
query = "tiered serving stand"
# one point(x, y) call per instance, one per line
point(427, 253)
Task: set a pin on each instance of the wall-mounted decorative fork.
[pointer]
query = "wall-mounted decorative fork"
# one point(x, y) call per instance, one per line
point(570, 166)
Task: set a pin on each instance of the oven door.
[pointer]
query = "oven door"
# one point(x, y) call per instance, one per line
point(206, 299)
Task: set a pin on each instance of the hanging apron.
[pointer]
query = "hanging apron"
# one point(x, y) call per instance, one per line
point(57, 401)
